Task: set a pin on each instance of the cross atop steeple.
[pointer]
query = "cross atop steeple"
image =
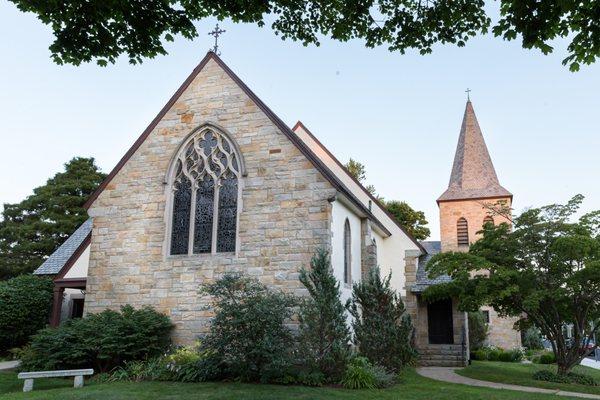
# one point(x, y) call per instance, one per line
point(468, 91)
point(216, 33)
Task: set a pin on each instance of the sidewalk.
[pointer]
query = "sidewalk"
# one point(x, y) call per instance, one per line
point(447, 374)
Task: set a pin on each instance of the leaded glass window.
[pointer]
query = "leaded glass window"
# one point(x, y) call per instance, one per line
point(205, 190)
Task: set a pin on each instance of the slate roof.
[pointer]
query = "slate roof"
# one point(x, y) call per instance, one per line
point(423, 281)
point(59, 258)
point(473, 175)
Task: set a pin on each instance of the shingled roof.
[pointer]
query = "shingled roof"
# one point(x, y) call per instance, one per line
point(63, 254)
point(473, 174)
point(423, 281)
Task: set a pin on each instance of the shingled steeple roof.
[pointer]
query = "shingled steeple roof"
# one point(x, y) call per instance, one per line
point(473, 174)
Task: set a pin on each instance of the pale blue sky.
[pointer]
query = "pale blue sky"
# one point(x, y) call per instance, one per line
point(398, 114)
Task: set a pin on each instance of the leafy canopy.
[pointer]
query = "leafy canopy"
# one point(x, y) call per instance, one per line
point(32, 229)
point(103, 30)
point(25, 303)
point(546, 272)
point(412, 220)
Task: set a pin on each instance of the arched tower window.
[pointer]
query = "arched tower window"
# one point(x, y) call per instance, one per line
point(204, 189)
point(347, 253)
point(462, 232)
point(488, 220)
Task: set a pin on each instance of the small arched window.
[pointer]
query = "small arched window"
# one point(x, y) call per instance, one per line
point(488, 220)
point(347, 253)
point(462, 232)
point(204, 190)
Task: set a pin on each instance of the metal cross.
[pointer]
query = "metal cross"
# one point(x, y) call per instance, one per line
point(468, 91)
point(216, 33)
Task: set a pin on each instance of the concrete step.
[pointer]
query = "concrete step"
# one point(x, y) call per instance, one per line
point(439, 363)
point(440, 352)
point(440, 357)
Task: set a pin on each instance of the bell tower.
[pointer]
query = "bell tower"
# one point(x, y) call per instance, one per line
point(473, 188)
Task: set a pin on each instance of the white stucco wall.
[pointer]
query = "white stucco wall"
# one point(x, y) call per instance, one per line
point(80, 268)
point(391, 250)
point(339, 214)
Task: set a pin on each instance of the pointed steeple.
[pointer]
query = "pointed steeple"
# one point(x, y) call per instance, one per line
point(473, 174)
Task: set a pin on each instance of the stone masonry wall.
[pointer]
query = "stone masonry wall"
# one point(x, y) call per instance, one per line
point(501, 332)
point(284, 216)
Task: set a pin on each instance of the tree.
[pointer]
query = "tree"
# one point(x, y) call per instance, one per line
point(478, 330)
point(102, 31)
point(382, 328)
point(32, 229)
point(357, 170)
point(324, 337)
point(413, 221)
point(25, 303)
point(546, 272)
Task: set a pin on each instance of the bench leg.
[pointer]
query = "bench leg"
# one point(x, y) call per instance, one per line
point(78, 382)
point(28, 385)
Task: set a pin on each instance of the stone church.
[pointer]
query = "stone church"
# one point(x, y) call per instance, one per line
point(218, 183)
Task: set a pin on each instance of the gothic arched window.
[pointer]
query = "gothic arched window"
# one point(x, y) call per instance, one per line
point(462, 232)
point(347, 253)
point(488, 220)
point(204, 190)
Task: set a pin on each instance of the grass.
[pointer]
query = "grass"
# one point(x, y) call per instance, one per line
point(521, 374)
point(412, 387)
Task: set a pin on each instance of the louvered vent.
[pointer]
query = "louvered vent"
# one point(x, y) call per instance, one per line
point(488, 220)
point(462, 232)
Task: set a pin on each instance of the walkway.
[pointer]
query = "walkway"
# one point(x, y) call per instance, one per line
point(447, 374)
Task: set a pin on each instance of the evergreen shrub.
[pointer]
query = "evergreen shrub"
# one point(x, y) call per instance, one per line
point(100, 341)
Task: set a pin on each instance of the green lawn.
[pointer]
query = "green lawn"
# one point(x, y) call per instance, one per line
point(520, 374)
point(412, 387)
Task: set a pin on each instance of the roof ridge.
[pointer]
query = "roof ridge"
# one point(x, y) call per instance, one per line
point(375, 200)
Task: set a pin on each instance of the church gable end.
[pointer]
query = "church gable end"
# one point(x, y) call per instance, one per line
point(282, 210)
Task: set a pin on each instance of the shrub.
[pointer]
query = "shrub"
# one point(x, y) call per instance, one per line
point(382, 328)
point(547, 357)
point(532, 339)
point(496, 354)
point(324, 336)
point(361, 374)
point(571, 377)
point(478, 330)
point(25, 303)
point(248, 335)
point(101, 341)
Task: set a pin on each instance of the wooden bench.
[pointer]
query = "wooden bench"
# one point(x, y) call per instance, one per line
point(77, 373)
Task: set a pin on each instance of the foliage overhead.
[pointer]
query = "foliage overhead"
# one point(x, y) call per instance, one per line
point(382, 327)
point(546, 272)
point(412, 220)
point(248, 332)
point(25, 303)
point(324, 337)
point(32, 229)
point(101, 341)
point(103, 30)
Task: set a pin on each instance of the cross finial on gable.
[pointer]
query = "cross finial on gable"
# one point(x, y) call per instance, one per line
point(216, 33)
point(468, 91)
